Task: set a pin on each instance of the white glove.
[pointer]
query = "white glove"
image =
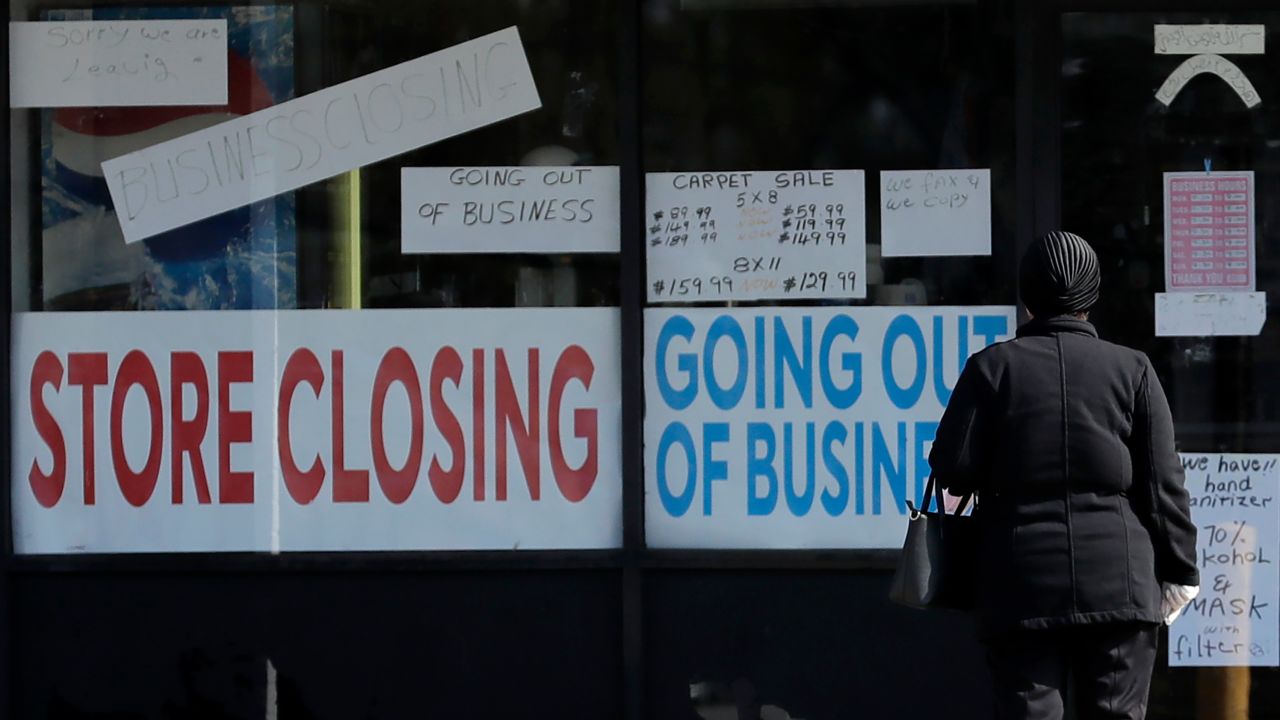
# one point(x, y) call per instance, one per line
point(1173, 598)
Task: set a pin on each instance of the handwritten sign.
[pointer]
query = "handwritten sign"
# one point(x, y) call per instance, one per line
point(935, 212)
point(1220, 39)
point(1229, 72)
point(1209, 231)
point(117, 63)
point(756, 235)
point(317, 136)
point(1234, 620)
point(509, 209)
point(1188, 314)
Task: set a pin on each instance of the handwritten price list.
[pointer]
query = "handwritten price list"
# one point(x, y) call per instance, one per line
point(1234, 620)
point(1209, 231)
point(756, 235)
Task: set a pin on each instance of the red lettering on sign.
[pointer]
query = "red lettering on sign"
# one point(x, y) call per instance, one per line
point(187, 369)
point(88, 370)
point(574, 483)
point(397, 366)
point(302, 367)
point(508, 417)
point(47, 487)
point(477, 420)
point(348, 485)
point(136, 369)
point(234, 427)
point(447, 484)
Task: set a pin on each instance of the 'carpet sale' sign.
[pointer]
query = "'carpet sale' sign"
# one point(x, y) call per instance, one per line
point(797, 427)
point(316, 430)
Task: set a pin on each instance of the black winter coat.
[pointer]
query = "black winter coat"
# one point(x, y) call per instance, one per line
point(1068, 442)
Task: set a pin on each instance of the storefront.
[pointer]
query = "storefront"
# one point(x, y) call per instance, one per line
point(553, 358)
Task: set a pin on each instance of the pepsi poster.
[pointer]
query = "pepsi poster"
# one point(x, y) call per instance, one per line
point(795, 427)
point(242, 259)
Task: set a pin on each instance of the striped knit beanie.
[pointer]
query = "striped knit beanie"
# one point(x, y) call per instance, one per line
point(1059, 275)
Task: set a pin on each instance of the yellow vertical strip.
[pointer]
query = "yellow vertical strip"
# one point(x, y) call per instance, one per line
point(348, 292)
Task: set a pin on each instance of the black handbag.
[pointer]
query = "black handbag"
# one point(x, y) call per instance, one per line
point(936, 567)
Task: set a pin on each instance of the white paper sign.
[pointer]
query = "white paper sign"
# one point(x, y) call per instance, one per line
point(791, 427)
point(1229, 72)
point(1234, 620)
point(1219, 39)
point(935, 212)
point(90, 63)
point(756, 235)
point(1187, 314)
point(316, 430)
point(509, 210)
point(320, 135)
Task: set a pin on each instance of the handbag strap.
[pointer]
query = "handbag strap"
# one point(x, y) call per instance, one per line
point(933, 491)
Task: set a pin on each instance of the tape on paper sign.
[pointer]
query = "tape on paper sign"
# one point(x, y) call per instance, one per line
point(1184, 314)
point(318, 136)
point(117, 63)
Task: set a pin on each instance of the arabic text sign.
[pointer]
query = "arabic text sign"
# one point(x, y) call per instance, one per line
point(320, 135)
point(797, 427)
point(1217, 39)
point(317, 430)
point(117, 63)
point(1209, 231)
point(756, 235)
point(509, 209)
point(1234, 619)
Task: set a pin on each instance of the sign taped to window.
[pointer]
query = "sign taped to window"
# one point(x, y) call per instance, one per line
point(536, 209)
point(1209, 231)
point(756, 235)
point(1234, 507)
point(324, 430)
point(116, 63)
point(320, 135)
point(790, 428)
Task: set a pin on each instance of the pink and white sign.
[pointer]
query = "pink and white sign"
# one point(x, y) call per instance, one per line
point(1209, 231)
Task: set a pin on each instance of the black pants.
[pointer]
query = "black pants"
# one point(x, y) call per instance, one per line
point(1109, 664)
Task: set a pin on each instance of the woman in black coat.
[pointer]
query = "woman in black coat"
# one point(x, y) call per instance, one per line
point(1087, 541)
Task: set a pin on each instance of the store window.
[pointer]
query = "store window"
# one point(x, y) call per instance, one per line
point(296, 276)
point(750, 443)
point(1168, 154)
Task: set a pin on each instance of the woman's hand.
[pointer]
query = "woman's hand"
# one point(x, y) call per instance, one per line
point(1173, 598)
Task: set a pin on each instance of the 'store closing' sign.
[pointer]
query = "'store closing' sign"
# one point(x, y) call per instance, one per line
point(316, 430)
point(1234, 620)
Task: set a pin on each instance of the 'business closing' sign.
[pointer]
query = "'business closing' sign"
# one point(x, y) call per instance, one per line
point(797, 427)
point(316, 430)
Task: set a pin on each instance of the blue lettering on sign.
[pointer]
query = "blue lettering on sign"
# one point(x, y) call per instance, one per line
point(800, 502)
point(713, 470)
point(725, 398)
point(841, 398)
point(835, 504)
point(785, 355)
point(761, 466)
point(882, 463)
point(903, 326)
point(677, 505)
point(940, 388)
point(677, 326)
point(841, 465)
point(990, 327)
